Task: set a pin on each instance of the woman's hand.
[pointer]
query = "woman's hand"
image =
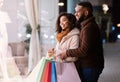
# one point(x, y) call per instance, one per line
point(51, 52)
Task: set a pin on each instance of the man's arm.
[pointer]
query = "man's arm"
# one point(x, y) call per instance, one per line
point(88, 39)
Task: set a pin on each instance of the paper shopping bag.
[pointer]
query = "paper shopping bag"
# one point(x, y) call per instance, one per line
point(46, 75)
point(54, 74)
point(59, 67)
point(41, 68)
point(65, 76)
point(35, 75)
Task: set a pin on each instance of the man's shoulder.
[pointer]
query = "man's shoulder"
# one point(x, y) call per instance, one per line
point(88, 21)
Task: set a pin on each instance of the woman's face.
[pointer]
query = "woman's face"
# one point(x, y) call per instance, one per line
point(64, 22)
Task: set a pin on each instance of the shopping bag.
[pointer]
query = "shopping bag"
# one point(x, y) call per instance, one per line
point(35, 75)
point(54, 74)
point(65, 76)
point(59, 67)
point(41, 68)
point(46, 75)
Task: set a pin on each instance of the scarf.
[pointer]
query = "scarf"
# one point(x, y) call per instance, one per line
point(60, 35)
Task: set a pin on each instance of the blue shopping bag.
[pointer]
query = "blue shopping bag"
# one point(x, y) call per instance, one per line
point(54, 75)
point(42, 73)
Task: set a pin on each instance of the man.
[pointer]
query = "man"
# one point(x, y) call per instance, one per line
point(90, 62)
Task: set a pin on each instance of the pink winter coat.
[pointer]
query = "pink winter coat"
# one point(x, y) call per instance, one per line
point(70, 41)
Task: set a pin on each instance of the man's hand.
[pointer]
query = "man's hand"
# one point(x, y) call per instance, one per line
point(63, 55)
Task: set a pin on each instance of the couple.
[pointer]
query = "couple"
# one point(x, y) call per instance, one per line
point(83, 47)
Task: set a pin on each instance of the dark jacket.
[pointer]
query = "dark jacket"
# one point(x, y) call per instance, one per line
point(90, 51)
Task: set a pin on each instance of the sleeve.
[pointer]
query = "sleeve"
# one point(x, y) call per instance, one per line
point(74, 43)
point(87, 42)
point(56, 50)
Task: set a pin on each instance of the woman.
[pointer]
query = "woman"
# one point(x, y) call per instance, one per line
point(67, 38)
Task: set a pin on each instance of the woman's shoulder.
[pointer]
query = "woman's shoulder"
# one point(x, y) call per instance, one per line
point(75, 31)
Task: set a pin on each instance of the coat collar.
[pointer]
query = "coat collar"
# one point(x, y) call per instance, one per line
point(87, 21)
point(73, 32)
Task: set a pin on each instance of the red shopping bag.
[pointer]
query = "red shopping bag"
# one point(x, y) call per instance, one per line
point(46, 75)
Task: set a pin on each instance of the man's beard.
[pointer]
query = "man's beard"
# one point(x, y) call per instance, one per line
point(78, 23)
point(81, 19)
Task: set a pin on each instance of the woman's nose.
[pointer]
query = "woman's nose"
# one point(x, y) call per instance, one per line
point(61, 24)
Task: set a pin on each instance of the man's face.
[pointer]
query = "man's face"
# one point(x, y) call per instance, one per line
point(79, 13)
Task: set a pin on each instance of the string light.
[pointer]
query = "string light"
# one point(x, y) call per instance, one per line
point(61, 4)
point(118, 25)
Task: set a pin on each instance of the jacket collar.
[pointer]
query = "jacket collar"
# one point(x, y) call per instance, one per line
point(87, 21)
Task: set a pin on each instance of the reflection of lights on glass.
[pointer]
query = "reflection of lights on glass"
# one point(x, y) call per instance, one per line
point(61, 4)
point(19, 35)
point(52, 37)
point(118, 25)
point(1, 3)
point(118, 36)
point(45, 35)
point(105, 8)
point(28, 35)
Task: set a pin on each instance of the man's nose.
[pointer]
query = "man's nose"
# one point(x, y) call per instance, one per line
point(76, 14)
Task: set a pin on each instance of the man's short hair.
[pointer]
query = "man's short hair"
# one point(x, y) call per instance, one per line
point(87, 5)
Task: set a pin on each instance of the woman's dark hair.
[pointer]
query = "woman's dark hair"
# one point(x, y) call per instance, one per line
point(71, 18)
